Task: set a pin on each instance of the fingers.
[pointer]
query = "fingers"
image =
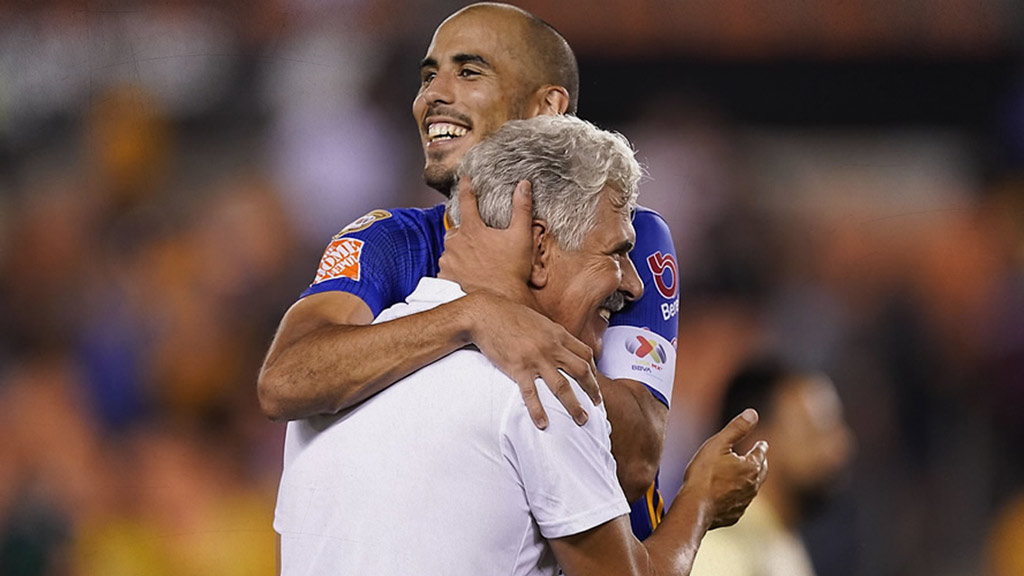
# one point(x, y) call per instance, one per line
point(522, 205)
point(529, 392)
point(737, 429)
point(588, 381)
point(758, 456)
point(563, 391)
point(580, 365)
point(560, 387)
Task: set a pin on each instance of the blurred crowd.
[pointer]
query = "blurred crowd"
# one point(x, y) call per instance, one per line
point(171, 170)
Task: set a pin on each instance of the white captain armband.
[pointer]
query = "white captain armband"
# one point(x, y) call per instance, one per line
point(641, 355)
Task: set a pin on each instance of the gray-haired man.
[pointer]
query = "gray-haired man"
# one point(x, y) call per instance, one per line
point(455, 478)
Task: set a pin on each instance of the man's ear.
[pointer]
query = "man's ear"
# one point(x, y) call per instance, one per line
point(541, 263)
point(549, 100)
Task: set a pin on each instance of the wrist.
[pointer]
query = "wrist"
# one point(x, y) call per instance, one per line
point(698, 502)
point(465, 318)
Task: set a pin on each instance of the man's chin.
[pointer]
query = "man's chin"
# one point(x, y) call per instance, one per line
point(440, 178)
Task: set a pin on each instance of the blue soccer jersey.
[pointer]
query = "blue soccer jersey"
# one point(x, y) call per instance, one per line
point(381, 257)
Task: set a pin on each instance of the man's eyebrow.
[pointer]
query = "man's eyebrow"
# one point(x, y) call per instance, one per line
point(471, 58)
point(460, 58)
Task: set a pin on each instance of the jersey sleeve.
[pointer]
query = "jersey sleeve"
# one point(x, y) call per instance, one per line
point(640, 342)
point(567, 471)
point(369, 258)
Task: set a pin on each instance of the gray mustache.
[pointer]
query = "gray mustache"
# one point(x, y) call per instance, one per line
point(615, 302)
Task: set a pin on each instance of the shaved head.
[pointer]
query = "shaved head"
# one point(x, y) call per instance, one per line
point(549, 58)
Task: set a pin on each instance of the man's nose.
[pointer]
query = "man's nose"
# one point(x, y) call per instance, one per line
point(632, 286)
point(439, 91)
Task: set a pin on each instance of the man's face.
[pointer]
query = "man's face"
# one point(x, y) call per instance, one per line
point(472, 82)
point(813, 441)
point(586, 286)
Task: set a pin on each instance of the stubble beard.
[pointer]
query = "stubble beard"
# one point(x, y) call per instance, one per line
point(439, 177)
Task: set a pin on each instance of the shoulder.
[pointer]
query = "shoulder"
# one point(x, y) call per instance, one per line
point(394, 221)
point(650, 225)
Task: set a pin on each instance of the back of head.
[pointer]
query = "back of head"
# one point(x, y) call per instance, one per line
point(755, 385)
point(568, 161)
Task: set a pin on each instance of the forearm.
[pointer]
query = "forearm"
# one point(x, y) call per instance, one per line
point(335, 366)
point(673, 546)
point(611, 549)
point(638, 433)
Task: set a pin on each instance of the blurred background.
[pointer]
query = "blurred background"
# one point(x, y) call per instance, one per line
point(844, 180)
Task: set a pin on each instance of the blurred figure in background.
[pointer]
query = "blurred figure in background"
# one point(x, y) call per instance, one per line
point(802, 420)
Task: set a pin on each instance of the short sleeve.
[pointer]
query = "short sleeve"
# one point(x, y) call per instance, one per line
point(379, 258)
point(640, 343)
point(567, 471)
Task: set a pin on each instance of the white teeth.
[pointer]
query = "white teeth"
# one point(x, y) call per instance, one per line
point(445, 130)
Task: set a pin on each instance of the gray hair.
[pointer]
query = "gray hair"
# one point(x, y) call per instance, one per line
point(567, 160)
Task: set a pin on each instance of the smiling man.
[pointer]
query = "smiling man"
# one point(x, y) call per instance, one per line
point(488, 64)
point(444, 472)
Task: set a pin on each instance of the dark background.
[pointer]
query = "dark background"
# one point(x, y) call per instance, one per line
point(843, 180)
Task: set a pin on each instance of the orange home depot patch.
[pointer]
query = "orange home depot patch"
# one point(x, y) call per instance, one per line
point(341, 259)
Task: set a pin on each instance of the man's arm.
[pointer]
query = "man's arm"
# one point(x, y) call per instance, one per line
point(709, 497)
point(638, 432)
point(327, 356)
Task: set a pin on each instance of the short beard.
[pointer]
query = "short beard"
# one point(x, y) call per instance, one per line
point(440, 178)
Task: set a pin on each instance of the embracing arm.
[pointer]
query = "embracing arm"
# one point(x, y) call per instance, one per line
point(326, 356)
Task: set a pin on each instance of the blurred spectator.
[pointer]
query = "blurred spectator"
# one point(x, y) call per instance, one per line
point(802, 420)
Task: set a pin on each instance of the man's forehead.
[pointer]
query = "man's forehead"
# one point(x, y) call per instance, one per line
point(483, 30)
point(614, 227)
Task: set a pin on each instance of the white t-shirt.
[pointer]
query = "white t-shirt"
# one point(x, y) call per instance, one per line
point(442, 473)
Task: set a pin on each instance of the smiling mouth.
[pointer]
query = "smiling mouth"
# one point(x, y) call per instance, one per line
point(444, 131)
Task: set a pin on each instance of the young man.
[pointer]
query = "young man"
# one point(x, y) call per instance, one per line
point(444, 472)
point(487, 64)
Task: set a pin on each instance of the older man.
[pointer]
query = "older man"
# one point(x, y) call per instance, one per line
point(444, 472)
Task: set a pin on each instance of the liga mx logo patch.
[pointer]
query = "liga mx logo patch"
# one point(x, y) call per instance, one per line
point(340, 260)
point(646, 348)
point(363, 222)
